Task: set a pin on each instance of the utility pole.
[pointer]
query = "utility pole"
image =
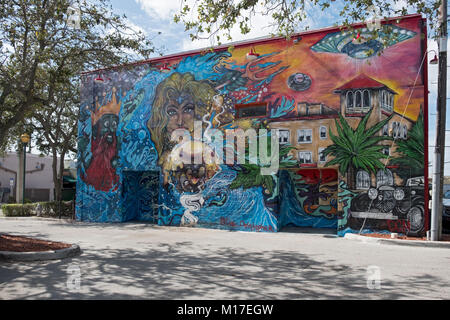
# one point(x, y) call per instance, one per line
point(438, 177)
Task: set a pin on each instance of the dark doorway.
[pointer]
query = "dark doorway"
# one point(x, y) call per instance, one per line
point(140, 195)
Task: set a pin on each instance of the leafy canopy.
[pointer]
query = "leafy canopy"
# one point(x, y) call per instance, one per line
point(40, 50)
point(215, 19)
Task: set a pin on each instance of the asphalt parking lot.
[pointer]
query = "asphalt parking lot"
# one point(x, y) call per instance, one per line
point(143, 261)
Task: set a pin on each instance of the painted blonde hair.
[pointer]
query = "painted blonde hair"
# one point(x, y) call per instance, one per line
point(202, 92)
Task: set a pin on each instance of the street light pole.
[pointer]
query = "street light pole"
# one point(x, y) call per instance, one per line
point(25, 139)
point(438, 177)
point(24, 171)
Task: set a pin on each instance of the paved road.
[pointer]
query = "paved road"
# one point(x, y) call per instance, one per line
point(141, 261)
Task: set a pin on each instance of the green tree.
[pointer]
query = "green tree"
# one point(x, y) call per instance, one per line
point(358, 148)
point(213, 19)
point(39, 50)
point(55, 129)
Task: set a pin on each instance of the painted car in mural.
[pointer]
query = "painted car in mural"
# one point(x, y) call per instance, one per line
point(334, 104)
point(389, 202)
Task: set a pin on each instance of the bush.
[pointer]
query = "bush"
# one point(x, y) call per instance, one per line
point(40, 209)
point(51, 209)
point(17, 210)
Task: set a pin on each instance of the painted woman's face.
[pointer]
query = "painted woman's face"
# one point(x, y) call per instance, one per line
point(181, 113)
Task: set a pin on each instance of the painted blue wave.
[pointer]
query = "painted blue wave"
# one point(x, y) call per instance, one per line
point(96, 206)
point(243, 210)
point(137, 149)
point(203, 66)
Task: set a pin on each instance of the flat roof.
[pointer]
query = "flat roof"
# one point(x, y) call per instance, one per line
point(242, 43)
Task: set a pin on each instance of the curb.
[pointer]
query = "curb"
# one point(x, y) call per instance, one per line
point(411, 243)
point(39, 218)
point(40, 256)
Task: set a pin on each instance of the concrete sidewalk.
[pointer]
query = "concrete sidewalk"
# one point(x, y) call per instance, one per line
point(398, 242)
point(142, 261)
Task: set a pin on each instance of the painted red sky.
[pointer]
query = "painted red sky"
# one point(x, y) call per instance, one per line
point(397, 68)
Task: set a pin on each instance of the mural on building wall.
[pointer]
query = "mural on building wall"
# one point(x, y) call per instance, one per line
point(348, 129)
point(141, 195)
point(309, 198)
point(396, 201)
point(366, 47)
point(101, 169)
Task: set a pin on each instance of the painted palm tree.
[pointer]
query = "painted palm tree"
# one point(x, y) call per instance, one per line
point(412, 149)
point(249, 175)
point(355, 149)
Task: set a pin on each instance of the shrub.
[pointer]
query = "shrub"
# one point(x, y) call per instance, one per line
point(18, 210)
point(40, 209)
point(51, 209)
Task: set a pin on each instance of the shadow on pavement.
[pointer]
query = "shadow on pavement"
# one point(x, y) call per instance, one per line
point(182, 271)
point(309, 230)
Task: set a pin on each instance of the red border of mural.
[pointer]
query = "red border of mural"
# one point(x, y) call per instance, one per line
point(243, 43)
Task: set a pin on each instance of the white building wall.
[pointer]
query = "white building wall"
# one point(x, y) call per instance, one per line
point(42, 179)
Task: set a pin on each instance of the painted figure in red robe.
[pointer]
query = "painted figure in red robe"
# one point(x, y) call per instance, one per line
point(101, 173)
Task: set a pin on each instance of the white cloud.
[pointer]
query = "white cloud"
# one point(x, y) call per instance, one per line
point(162, 9)
point(260, 26)
point(263, 25)
point(399, 5)
point(135, 27)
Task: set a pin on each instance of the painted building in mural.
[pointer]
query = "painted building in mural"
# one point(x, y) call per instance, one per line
point(351, 123)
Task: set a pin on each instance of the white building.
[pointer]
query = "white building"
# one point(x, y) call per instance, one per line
point(39, 184)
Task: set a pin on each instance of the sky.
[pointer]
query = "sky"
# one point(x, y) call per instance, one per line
point(154, 16)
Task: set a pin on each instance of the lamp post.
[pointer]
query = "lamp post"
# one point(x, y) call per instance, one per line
point(25, 138)
point(439, 153)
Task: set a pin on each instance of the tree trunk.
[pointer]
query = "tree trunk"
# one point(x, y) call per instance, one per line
point(61, 172)
point(61, 179)
point(351, 178)
point(56, 181)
